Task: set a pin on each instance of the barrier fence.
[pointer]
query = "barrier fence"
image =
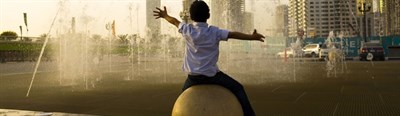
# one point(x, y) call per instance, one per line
point(351, 45)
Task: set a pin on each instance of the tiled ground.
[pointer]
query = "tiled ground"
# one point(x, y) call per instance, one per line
point(361, 90)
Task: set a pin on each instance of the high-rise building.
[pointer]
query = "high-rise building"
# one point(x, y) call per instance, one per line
point(379, 17)
point(219, 13)
point(282, 20)
point(377, 24)
point(228, 14)
point(153, 26)
point(317, 18)
point(297, 17)
point(391, 11)
point(248, 22)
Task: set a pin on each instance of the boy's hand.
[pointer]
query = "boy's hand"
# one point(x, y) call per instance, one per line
point(163, 14)
point(257, 36)
point(160, 13)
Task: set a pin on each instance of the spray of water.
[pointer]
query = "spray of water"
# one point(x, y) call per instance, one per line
point(331, 58)
point(336, 54)
point(80, 57)
point(41, 54)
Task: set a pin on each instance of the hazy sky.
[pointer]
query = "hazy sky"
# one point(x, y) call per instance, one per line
point(92, 15)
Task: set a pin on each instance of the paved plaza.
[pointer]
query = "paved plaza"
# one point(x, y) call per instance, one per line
point(274, 88)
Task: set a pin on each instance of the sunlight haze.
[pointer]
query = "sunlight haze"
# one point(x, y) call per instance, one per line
point(93, 15)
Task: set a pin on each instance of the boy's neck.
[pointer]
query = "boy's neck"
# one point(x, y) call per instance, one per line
point(200, 22)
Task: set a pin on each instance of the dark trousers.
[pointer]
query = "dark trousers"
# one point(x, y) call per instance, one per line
point(224, 80)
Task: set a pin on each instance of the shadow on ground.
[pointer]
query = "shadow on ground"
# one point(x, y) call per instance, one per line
point(362, 89)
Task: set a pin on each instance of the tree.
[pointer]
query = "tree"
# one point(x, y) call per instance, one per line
point(42, 37)
point(123, 39)
point(26, 39)
point(8, 35)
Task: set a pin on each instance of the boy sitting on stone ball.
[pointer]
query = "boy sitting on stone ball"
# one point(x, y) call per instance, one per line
point(202, 51)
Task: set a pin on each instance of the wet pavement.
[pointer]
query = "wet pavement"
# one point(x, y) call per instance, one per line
point(12, 112)
point(277, 89)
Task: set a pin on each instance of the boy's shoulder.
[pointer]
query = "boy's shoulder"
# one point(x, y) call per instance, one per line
point(193, 25)
point(189, 28)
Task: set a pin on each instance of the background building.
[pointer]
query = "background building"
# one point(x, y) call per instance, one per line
point(297, 17)
point(230, 14)
point(248, 22)
point(282, 20)
point(317, 18)
point(218, 11)
point(391, 12)
point(378, 24)
point(333, 15)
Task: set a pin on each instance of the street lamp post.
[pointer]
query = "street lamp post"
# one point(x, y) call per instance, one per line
point(364, 8)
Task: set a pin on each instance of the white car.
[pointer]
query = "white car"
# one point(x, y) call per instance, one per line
point(290, 53)
point(312, 50)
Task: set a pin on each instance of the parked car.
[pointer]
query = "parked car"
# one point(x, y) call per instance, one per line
point(324, 50)
point(290, 53)
point(376, 49)
point(311, 50)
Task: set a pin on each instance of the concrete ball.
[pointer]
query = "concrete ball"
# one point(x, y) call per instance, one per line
point(207, 100)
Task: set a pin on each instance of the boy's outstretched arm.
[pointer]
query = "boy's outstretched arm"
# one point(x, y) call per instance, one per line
point(163, 14)
point(243, 36)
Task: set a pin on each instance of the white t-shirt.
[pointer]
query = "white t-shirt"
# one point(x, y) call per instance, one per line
point(202, 48)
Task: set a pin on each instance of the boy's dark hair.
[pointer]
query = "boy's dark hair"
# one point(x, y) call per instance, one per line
point(199, 11)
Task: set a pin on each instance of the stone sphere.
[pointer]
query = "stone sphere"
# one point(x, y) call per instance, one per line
point(207, 100)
